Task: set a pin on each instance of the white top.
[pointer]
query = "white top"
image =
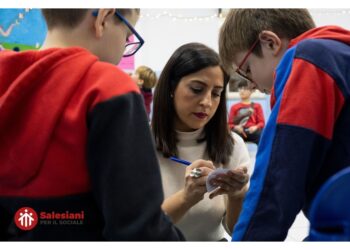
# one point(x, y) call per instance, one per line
point(203, 221)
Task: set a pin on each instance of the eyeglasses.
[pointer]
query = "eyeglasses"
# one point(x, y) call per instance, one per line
point(131, 47)
point(239, 69)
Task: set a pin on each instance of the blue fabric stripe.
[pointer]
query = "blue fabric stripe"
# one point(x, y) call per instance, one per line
point(264, 151)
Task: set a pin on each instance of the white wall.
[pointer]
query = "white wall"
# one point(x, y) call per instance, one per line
point(340, 17)
point(164, 34)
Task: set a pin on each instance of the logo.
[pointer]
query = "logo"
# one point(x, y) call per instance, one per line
point(26, 218)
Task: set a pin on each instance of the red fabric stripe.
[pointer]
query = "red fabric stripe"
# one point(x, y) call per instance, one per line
point(311, 99)
point(113, 83)
point(324, 32)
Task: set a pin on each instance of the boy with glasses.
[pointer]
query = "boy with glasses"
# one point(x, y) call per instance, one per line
point(75, 135)
point(306, 139)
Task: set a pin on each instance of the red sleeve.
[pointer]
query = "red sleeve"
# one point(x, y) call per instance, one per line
point(114, 83)
point(232, 114)
point(260, 121)
point(310, 105)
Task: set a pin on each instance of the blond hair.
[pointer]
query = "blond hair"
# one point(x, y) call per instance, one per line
point(243, 26)
point(147, 75)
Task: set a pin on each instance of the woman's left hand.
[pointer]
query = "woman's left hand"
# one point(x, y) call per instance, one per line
point(231, 183)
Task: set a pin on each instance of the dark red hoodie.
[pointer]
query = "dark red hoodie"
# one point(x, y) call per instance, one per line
point(74, 137)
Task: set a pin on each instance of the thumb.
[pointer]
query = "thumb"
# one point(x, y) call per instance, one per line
point(215, 193)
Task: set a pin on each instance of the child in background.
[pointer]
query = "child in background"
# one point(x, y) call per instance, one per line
point(246, 118)
point(306, 139)
point(146, 79)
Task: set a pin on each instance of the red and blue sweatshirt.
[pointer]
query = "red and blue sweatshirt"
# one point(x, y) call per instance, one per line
point(74, 137)
point(307, 137)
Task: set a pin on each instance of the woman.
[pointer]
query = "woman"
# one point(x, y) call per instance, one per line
point(190, 122)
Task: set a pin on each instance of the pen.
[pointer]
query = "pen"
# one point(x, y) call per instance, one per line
point(180, 161)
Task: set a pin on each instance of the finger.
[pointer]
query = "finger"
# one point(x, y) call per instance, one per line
point(217, 192)
point(239, 175)
point(214, 193)
point(224, 186)
point(231, 187)
point(232, 177)
point(244, 169)
point(222, 178)
point(228, 183)
point(241, 179)
point(206, 171)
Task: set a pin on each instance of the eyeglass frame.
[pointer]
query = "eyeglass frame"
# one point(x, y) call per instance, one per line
point(132, 29)
point(239, 69)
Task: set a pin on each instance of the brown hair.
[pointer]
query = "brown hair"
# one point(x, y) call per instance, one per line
point(148, 76)
point(70, 18)
point(186, 60)
point(243, 26)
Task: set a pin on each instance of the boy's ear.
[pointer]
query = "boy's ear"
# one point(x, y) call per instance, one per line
point(100, 23)
point(271, 41)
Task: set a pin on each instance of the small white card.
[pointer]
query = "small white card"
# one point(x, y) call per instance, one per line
point(213, 175)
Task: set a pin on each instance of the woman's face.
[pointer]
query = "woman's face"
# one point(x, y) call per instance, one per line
point(197, 97)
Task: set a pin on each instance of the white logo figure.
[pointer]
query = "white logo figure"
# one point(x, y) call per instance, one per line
point(7, 32)
point(26, 218)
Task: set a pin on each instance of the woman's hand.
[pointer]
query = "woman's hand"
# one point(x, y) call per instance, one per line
point(232, 183)
point(195, 186)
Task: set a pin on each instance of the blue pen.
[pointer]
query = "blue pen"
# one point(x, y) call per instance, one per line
point(180, 161)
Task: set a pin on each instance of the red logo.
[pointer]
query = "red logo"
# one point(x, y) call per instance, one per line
point(26, 218)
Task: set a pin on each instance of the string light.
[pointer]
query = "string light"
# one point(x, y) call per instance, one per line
point(179, 17)
point(221, 14)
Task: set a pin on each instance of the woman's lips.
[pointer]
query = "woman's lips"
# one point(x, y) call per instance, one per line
point(201, 115)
